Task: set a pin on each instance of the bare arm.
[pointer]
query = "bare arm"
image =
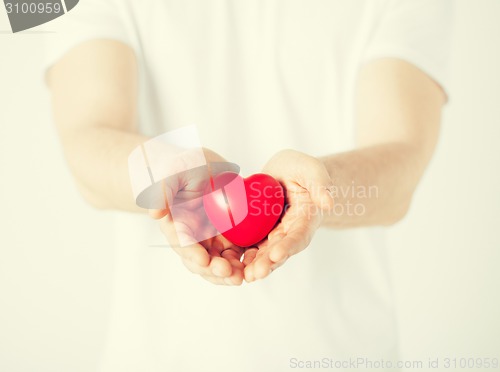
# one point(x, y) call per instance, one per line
point(398, 117)
point(94, 97)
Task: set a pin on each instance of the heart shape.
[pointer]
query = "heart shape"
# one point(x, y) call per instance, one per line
point(244, 210)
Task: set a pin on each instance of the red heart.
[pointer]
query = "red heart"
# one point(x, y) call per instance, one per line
point(244, 210)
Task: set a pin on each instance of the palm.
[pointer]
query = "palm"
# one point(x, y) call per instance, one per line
point(290, 236)
point(191, 234)
point(306, 183)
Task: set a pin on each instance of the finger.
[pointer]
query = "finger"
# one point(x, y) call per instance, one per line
point(295, 240)
point(278, 249)
point(277, 234)
point(220, 267)
point(168, 193)
point(204, 272)
point(227, 244)
point(232, 253)
point(207, 274)
point(157, 213)
point(195, 268)
point(265, 264)
point(194, 252)
point(215, 280)
point(249, 256)
point(233, 258)
point(195, 255)
point(261, 265)
point(278, 264)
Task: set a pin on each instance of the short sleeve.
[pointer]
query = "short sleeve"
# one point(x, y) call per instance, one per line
point(417, 31)
point(90, 19)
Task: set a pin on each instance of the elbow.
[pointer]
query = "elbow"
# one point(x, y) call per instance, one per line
point(92, 199)
point(398, 212)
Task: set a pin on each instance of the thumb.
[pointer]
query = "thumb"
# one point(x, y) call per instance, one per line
point(167, 194)
point(158, 214)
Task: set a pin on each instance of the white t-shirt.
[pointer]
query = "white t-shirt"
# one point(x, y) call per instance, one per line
point(256, 77)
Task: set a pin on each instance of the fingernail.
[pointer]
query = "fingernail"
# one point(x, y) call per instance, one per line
point(249, 277)
point(217, 272)
point(277, 256)
point(228, 281)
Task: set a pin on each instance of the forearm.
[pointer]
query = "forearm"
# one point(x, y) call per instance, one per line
point(98, 159)
point(373, 185)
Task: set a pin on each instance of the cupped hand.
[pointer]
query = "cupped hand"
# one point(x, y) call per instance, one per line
point(308, 189)
point(186, 227)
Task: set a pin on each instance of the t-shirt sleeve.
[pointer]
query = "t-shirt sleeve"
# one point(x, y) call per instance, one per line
point(91, 19)
point(417, 31)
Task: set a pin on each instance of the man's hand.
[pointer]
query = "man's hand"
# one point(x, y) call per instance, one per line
point(216, 259)
point(187, 227)
point(308, 196)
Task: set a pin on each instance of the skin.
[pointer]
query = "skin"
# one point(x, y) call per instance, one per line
point(398, 117)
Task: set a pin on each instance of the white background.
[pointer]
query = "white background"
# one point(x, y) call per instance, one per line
point(55, 258)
